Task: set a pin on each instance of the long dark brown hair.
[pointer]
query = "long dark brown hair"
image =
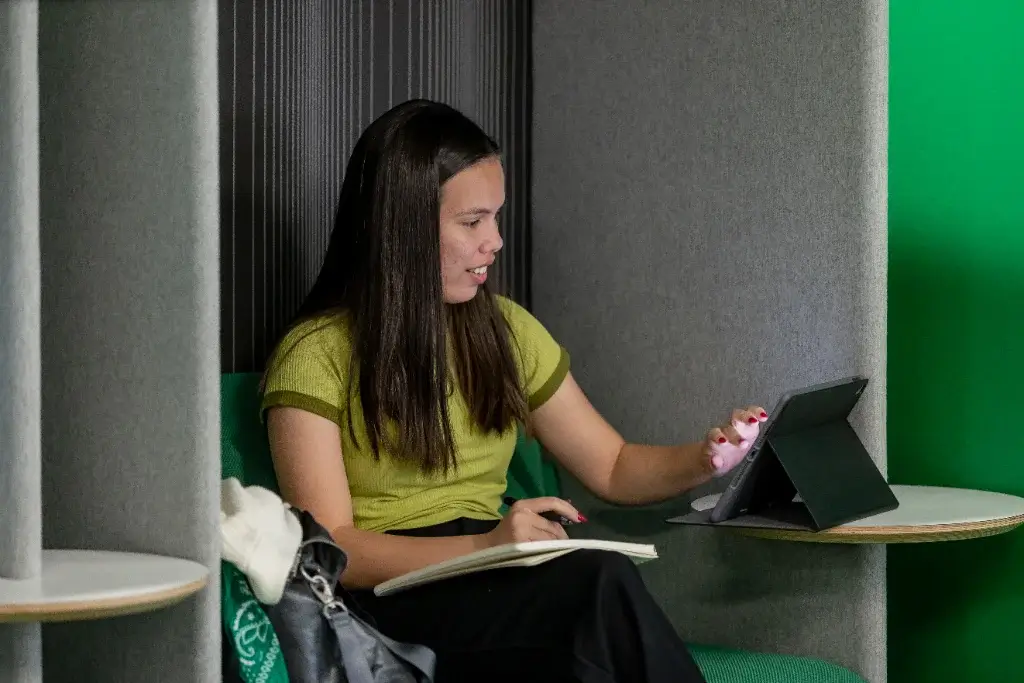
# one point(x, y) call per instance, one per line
point(383, 271)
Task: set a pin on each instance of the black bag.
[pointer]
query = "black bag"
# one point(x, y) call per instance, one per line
point(322, 640)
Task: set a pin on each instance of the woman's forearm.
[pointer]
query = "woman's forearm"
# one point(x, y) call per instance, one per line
point(649, 474)
point(375, 557)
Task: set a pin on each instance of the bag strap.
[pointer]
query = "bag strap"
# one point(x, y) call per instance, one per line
point(419, 657)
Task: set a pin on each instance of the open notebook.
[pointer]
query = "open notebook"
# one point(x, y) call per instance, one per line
point(512, 555)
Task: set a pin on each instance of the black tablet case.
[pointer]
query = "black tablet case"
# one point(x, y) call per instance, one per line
point(824, 462)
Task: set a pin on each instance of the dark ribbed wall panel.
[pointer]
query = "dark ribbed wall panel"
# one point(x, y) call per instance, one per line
point(299, 81)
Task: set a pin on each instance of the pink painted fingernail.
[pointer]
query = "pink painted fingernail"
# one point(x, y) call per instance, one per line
point(582, 518)
point(764, 414)
point(722, 439)
point(752, 420)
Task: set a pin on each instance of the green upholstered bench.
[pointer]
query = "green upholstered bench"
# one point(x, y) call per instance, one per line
point(245, 454)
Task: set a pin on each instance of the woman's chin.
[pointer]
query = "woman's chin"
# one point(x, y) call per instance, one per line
point(462, 295)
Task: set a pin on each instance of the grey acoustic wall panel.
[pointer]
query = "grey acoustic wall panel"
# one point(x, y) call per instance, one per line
point(20, 503)
point(128, 129)
point(20, 458)
point(709, 231)
point(299, 81)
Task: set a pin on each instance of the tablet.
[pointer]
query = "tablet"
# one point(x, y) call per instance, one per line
point(796, 411)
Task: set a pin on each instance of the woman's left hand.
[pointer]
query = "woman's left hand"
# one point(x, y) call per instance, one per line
point(727, 445)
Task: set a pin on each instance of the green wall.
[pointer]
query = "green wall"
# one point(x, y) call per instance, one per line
point(956, 326)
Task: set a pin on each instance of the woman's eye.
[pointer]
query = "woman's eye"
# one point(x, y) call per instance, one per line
point(473, 223)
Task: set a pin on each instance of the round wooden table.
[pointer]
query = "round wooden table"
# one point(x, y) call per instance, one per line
point(77, 585)
point(926, 514)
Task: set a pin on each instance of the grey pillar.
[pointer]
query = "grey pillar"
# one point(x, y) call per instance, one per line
point(129, 252)
point(20, 507)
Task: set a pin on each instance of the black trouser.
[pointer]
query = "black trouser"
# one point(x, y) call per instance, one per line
point(586, 616)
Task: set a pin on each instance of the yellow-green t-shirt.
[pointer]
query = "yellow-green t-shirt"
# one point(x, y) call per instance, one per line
point(310, 371)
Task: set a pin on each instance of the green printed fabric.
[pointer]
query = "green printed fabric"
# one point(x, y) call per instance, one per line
point(252, 636)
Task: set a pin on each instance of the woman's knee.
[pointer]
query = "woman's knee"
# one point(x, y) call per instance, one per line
point(605, 566)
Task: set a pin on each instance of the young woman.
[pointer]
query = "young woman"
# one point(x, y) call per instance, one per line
point(392, 405)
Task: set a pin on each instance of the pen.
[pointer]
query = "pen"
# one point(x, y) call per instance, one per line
point(550, 516)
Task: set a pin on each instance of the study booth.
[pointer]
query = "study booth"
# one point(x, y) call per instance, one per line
point(707, 201)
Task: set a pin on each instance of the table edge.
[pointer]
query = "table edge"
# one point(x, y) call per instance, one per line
point(87, 610)
point(890, 534)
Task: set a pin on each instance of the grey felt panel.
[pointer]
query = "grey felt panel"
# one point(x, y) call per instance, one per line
point(20, 653)
point(299, 82)
point(20, 458)
point(709, 231)
point(20, 461)
point(130, 351)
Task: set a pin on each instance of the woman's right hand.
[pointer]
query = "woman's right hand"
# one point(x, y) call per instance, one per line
point(523, 521)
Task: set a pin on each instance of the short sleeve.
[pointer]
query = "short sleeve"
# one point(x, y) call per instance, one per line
point(307, 371)
point(544, 362)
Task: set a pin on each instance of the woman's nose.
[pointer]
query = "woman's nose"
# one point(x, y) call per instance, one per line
point(492, 242)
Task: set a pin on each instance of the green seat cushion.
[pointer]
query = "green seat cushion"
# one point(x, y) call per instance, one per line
point(245, 454)
point(530, 473)
point(721, 665)
point(244, 449)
